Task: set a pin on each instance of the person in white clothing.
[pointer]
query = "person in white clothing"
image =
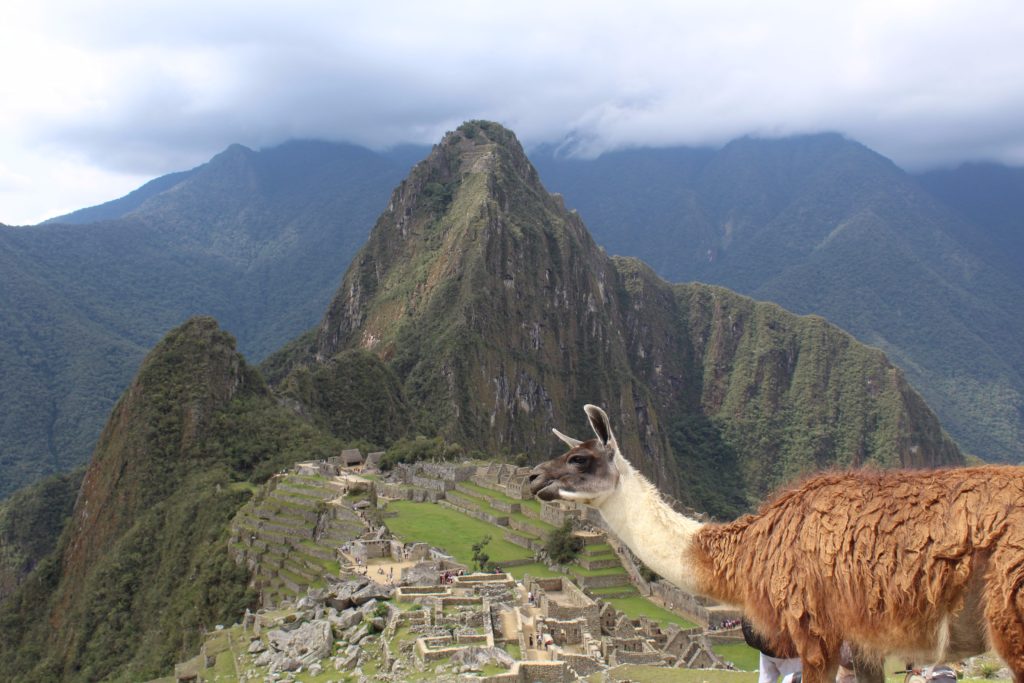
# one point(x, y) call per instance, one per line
point(772, 665)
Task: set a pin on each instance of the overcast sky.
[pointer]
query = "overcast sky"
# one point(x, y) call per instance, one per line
point(98, 97)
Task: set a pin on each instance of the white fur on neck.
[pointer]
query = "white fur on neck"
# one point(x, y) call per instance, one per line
point(657, 534)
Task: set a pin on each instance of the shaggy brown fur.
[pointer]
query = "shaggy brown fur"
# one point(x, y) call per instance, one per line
point(894, 561)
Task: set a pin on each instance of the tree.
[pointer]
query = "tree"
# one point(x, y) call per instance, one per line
point(563, 546)
point(481, 559)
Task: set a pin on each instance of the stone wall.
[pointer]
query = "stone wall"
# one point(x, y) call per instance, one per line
point(565, 632)
point(452, 472)
point(543, 672)
point(367, 550)
point(556, 515)
point(583, 665)
point(573, 602)
point(693, 606)
point(623, 657)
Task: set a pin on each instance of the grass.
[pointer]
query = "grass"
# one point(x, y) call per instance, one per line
point(741, 655)
point(535, 570)
point(610, 571)
point(613, 590)
point(450, 531)
point(532, 505)
point(490, 493)
point(638, 606)
point(654, 674)
point(595, 549)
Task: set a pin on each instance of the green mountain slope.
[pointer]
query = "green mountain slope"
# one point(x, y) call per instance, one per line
point(142, 568)
point(501, 317)
point(991, 199)
point(823, 225)
point(31, 521)
point(256, 239)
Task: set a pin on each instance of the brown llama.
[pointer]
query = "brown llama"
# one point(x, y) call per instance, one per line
point(927, 564)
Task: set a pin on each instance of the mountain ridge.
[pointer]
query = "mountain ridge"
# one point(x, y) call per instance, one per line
point(472, 239)
point(84, 302)
point(823, 225)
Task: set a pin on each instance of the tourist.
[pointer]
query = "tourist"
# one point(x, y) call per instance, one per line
point(772, 663)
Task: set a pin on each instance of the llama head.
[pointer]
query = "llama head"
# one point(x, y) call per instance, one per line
point(586, 473)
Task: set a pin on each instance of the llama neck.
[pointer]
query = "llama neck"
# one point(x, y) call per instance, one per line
point(661, 537)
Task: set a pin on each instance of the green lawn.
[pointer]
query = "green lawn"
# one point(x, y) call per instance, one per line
point(637, 606)
point(535, 570)
point(741, 655)
point(490, 493)
point(657, 674)
point(450, 531)
point(608, 571)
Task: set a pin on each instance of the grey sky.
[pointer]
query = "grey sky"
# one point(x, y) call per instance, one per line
point(99, 96)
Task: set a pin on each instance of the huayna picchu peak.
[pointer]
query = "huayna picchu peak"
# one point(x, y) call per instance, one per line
point(500, 316)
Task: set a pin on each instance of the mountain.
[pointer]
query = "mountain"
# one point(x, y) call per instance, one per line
point(991, 199)
point(479, 310)
point(256, 239)
point(820, 224)
point(141, 568)
point(501, 316)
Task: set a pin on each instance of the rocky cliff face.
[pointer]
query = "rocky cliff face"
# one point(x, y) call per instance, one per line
point(501, 317)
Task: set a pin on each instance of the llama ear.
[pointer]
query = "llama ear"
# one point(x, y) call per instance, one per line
point(569, 441)
point(600, 424)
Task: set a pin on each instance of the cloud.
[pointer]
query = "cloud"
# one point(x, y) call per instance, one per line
point(145, 88)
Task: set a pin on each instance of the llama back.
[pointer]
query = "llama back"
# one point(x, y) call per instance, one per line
point(863, 553)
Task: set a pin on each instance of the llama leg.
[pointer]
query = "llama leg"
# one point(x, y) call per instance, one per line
point(816, 673)
point(820, 665)
point(1004, 608)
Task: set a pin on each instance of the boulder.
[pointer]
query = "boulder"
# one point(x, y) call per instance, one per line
point(341, 594)
point(476, 658)
point(309, 643)
point(346, 620)
point(372, 591)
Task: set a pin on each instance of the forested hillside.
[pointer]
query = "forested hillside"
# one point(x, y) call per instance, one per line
point(257, 239)
point(820, 224)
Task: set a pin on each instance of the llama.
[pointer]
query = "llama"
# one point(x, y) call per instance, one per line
point(927, 564)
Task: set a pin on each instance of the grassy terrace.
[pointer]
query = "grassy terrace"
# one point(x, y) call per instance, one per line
point(456, 533)
point(636, 606)
point(653, 674)
point(744, 657)
point(451, 531)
